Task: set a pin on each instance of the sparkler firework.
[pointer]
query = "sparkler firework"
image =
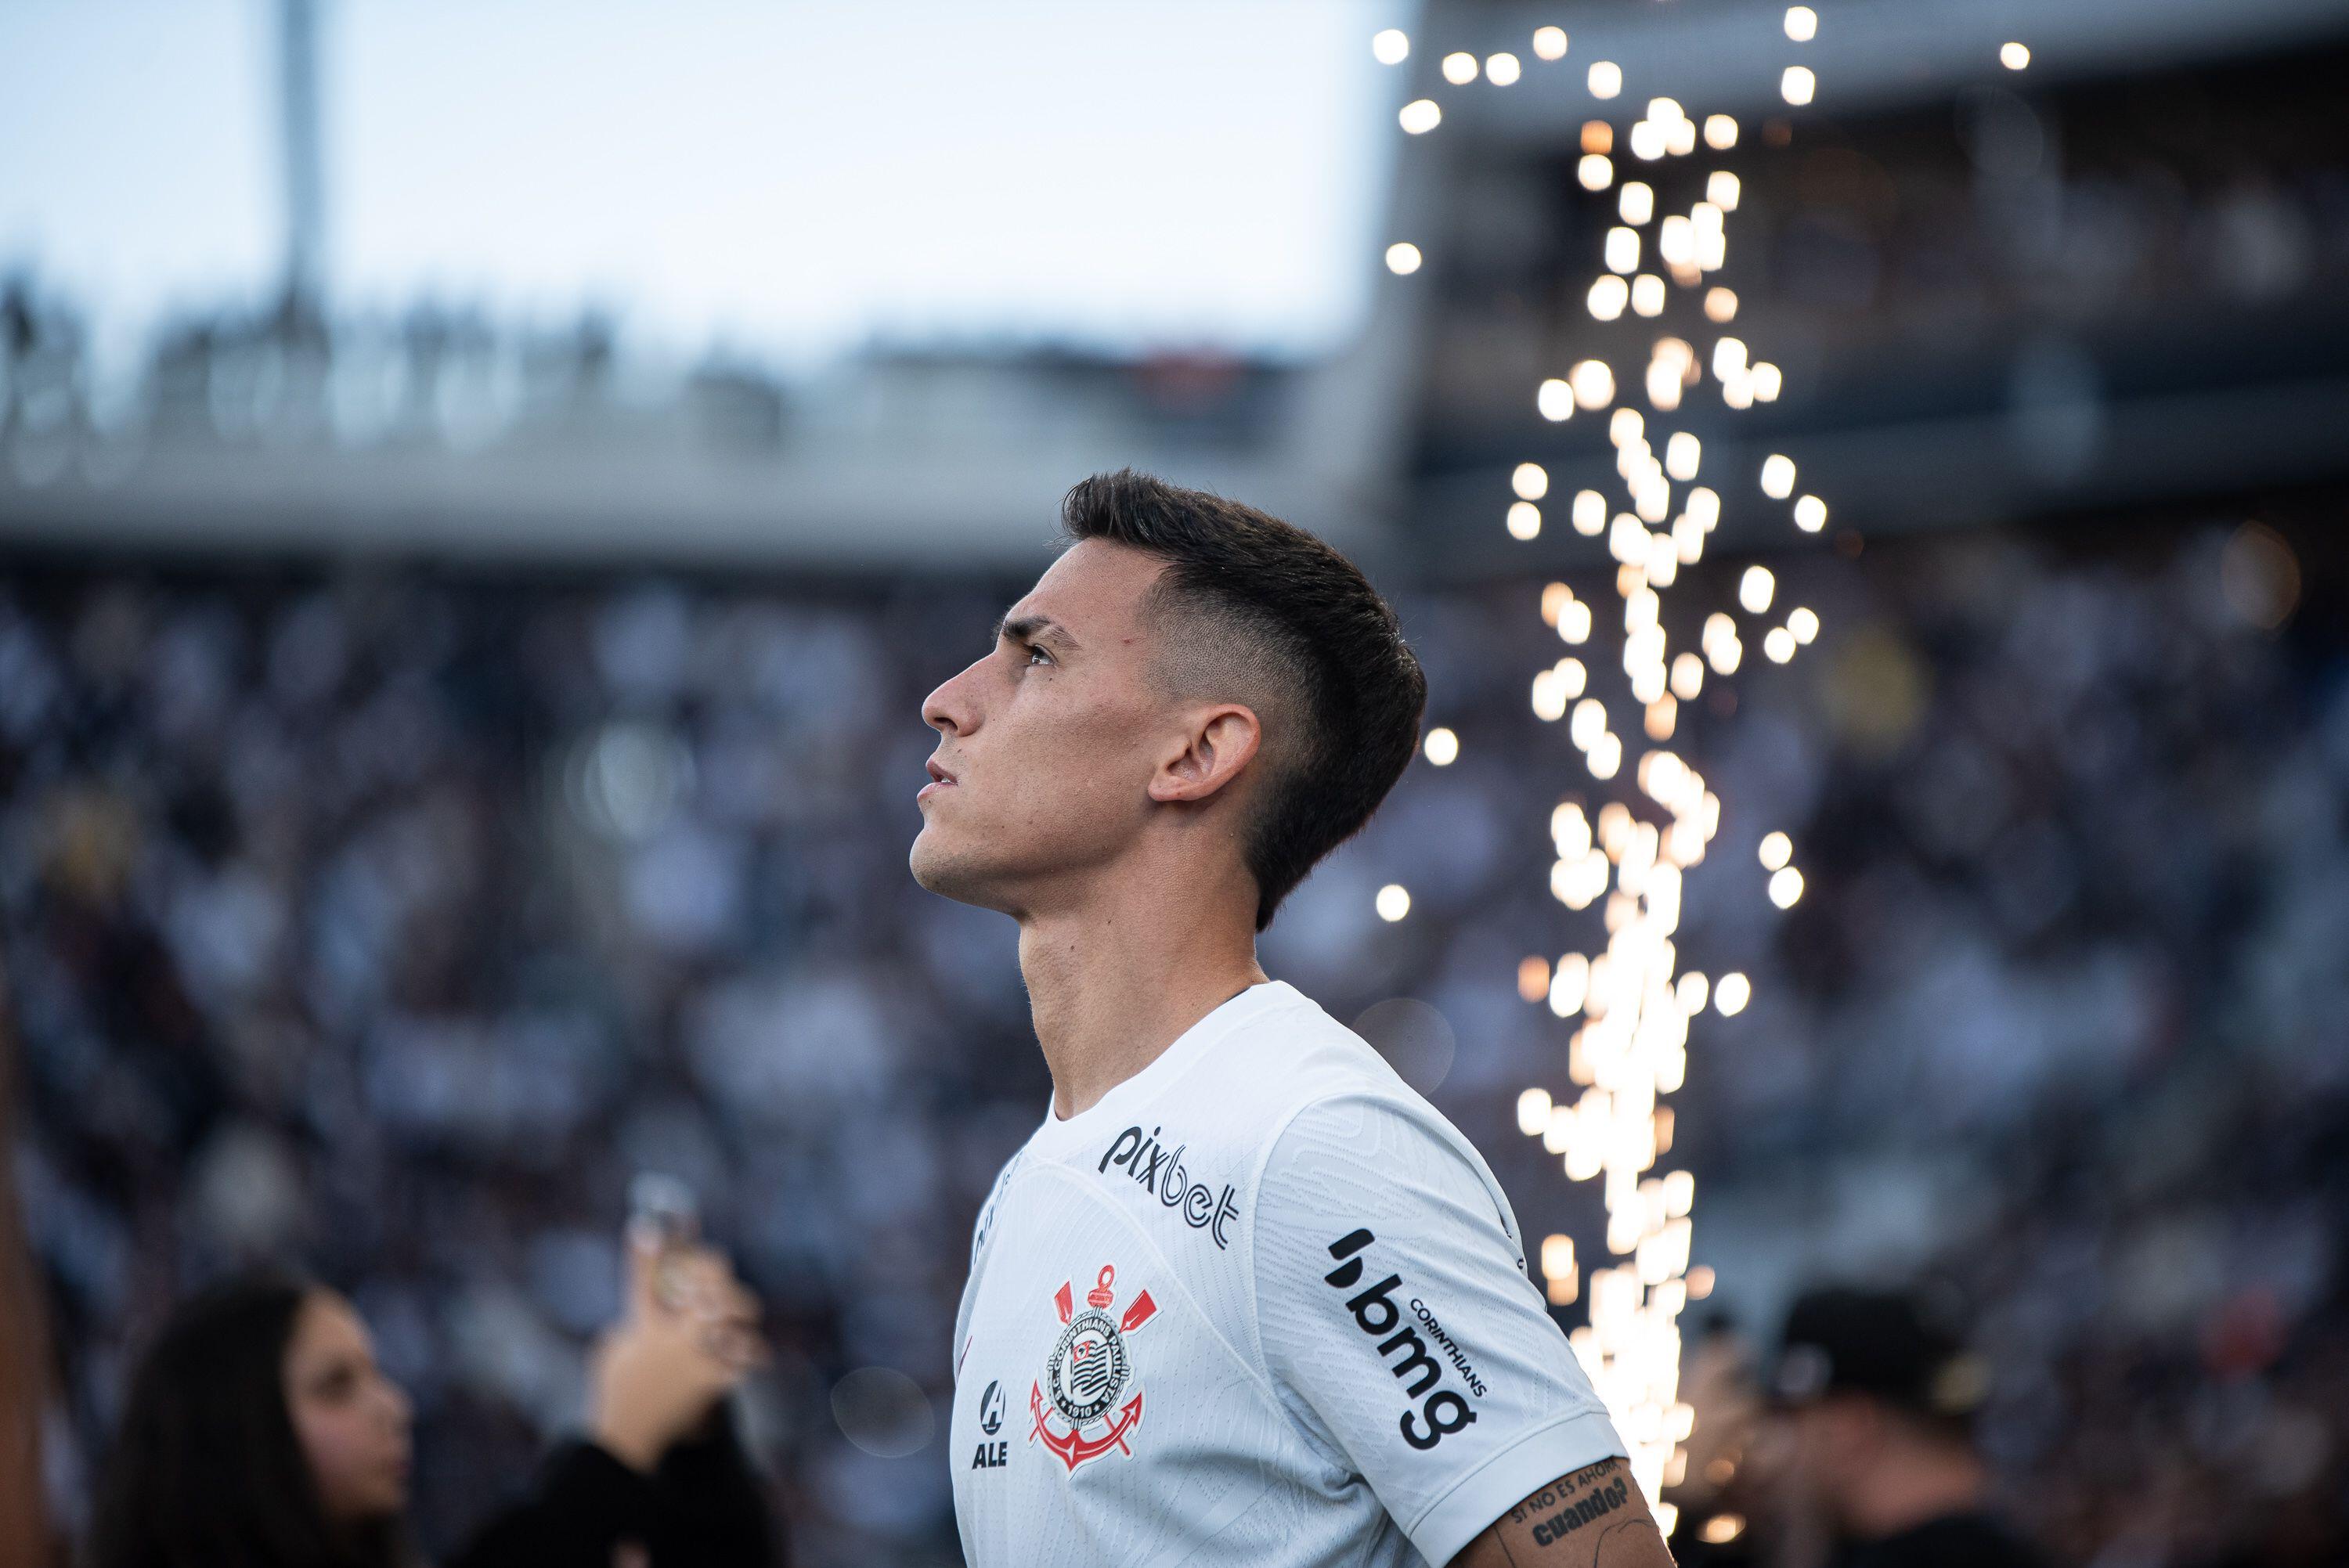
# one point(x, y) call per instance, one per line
point(1669, 235)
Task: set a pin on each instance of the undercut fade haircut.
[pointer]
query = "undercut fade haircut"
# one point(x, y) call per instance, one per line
point(1327, 646)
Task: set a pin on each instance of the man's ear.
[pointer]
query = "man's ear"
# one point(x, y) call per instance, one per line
point(1218, 743)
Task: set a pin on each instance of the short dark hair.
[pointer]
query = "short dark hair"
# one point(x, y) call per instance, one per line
point(205, 1466)
point(1889, 1345)
point(1278, 593)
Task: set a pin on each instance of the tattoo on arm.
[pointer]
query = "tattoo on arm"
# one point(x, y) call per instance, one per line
point(1595, 1516)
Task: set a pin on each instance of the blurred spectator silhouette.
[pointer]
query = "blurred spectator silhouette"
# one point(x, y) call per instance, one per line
point(1874, 1447)
point(259, 1429)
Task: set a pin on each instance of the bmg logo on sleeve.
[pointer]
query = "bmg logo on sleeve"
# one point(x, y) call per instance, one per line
point(1441, 1411)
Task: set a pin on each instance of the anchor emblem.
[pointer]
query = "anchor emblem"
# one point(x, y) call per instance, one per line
point(1088, 1369)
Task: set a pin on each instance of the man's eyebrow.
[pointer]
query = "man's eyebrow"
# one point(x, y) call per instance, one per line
point(1035, 628)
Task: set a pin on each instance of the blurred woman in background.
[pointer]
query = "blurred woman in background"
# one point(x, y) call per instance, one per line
point(259, 1431)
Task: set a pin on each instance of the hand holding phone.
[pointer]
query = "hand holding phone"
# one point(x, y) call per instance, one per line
point(665, 1219)
point(689, 1337)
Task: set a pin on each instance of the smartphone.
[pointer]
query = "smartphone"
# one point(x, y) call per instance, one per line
point(664, 1214)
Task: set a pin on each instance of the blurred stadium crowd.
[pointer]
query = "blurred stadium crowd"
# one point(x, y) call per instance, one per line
point(393, 920)
point(2061, 1028)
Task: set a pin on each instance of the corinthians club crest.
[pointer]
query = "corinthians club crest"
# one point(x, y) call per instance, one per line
point(1087, 1373)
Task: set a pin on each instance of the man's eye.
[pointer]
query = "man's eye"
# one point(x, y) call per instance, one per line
point(1035, 653)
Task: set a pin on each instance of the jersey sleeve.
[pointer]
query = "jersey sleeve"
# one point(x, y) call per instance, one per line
point(1399, 1329)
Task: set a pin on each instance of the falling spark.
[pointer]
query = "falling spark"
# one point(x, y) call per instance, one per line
point(1688, 677)
point(1394, 902)
point(1589, 513)
point(1606, 78)
point(1403, 259)
point(1676, 241)
point(1730, 996)
point(1549, 43)
point(1503, 70)
point(1725, 656)
point(1797, 84)
point(1459, 69)
point(1593, 383)
point(1391, 47)
point(1419, 115)
point(1442, 746)
point(1681, 455)
point(2013, 56)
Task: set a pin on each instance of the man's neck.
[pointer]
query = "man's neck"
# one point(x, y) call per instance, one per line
point(1111, 987)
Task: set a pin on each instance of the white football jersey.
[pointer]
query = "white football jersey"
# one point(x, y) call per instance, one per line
point(1261, 1305)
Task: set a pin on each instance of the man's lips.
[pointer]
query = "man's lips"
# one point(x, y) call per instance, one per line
point(939, 779)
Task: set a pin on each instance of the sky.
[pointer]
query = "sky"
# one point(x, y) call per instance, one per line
point(785, 178)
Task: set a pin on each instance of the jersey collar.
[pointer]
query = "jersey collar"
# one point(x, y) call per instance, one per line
point(1116, 1106)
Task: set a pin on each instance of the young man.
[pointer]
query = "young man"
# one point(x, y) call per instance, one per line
point(1876, 1447)
point(1244, 1297)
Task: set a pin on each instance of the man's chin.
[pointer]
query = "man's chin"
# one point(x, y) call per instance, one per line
point(939, 868)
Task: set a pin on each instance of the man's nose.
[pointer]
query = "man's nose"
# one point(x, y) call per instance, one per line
point(950, 709)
